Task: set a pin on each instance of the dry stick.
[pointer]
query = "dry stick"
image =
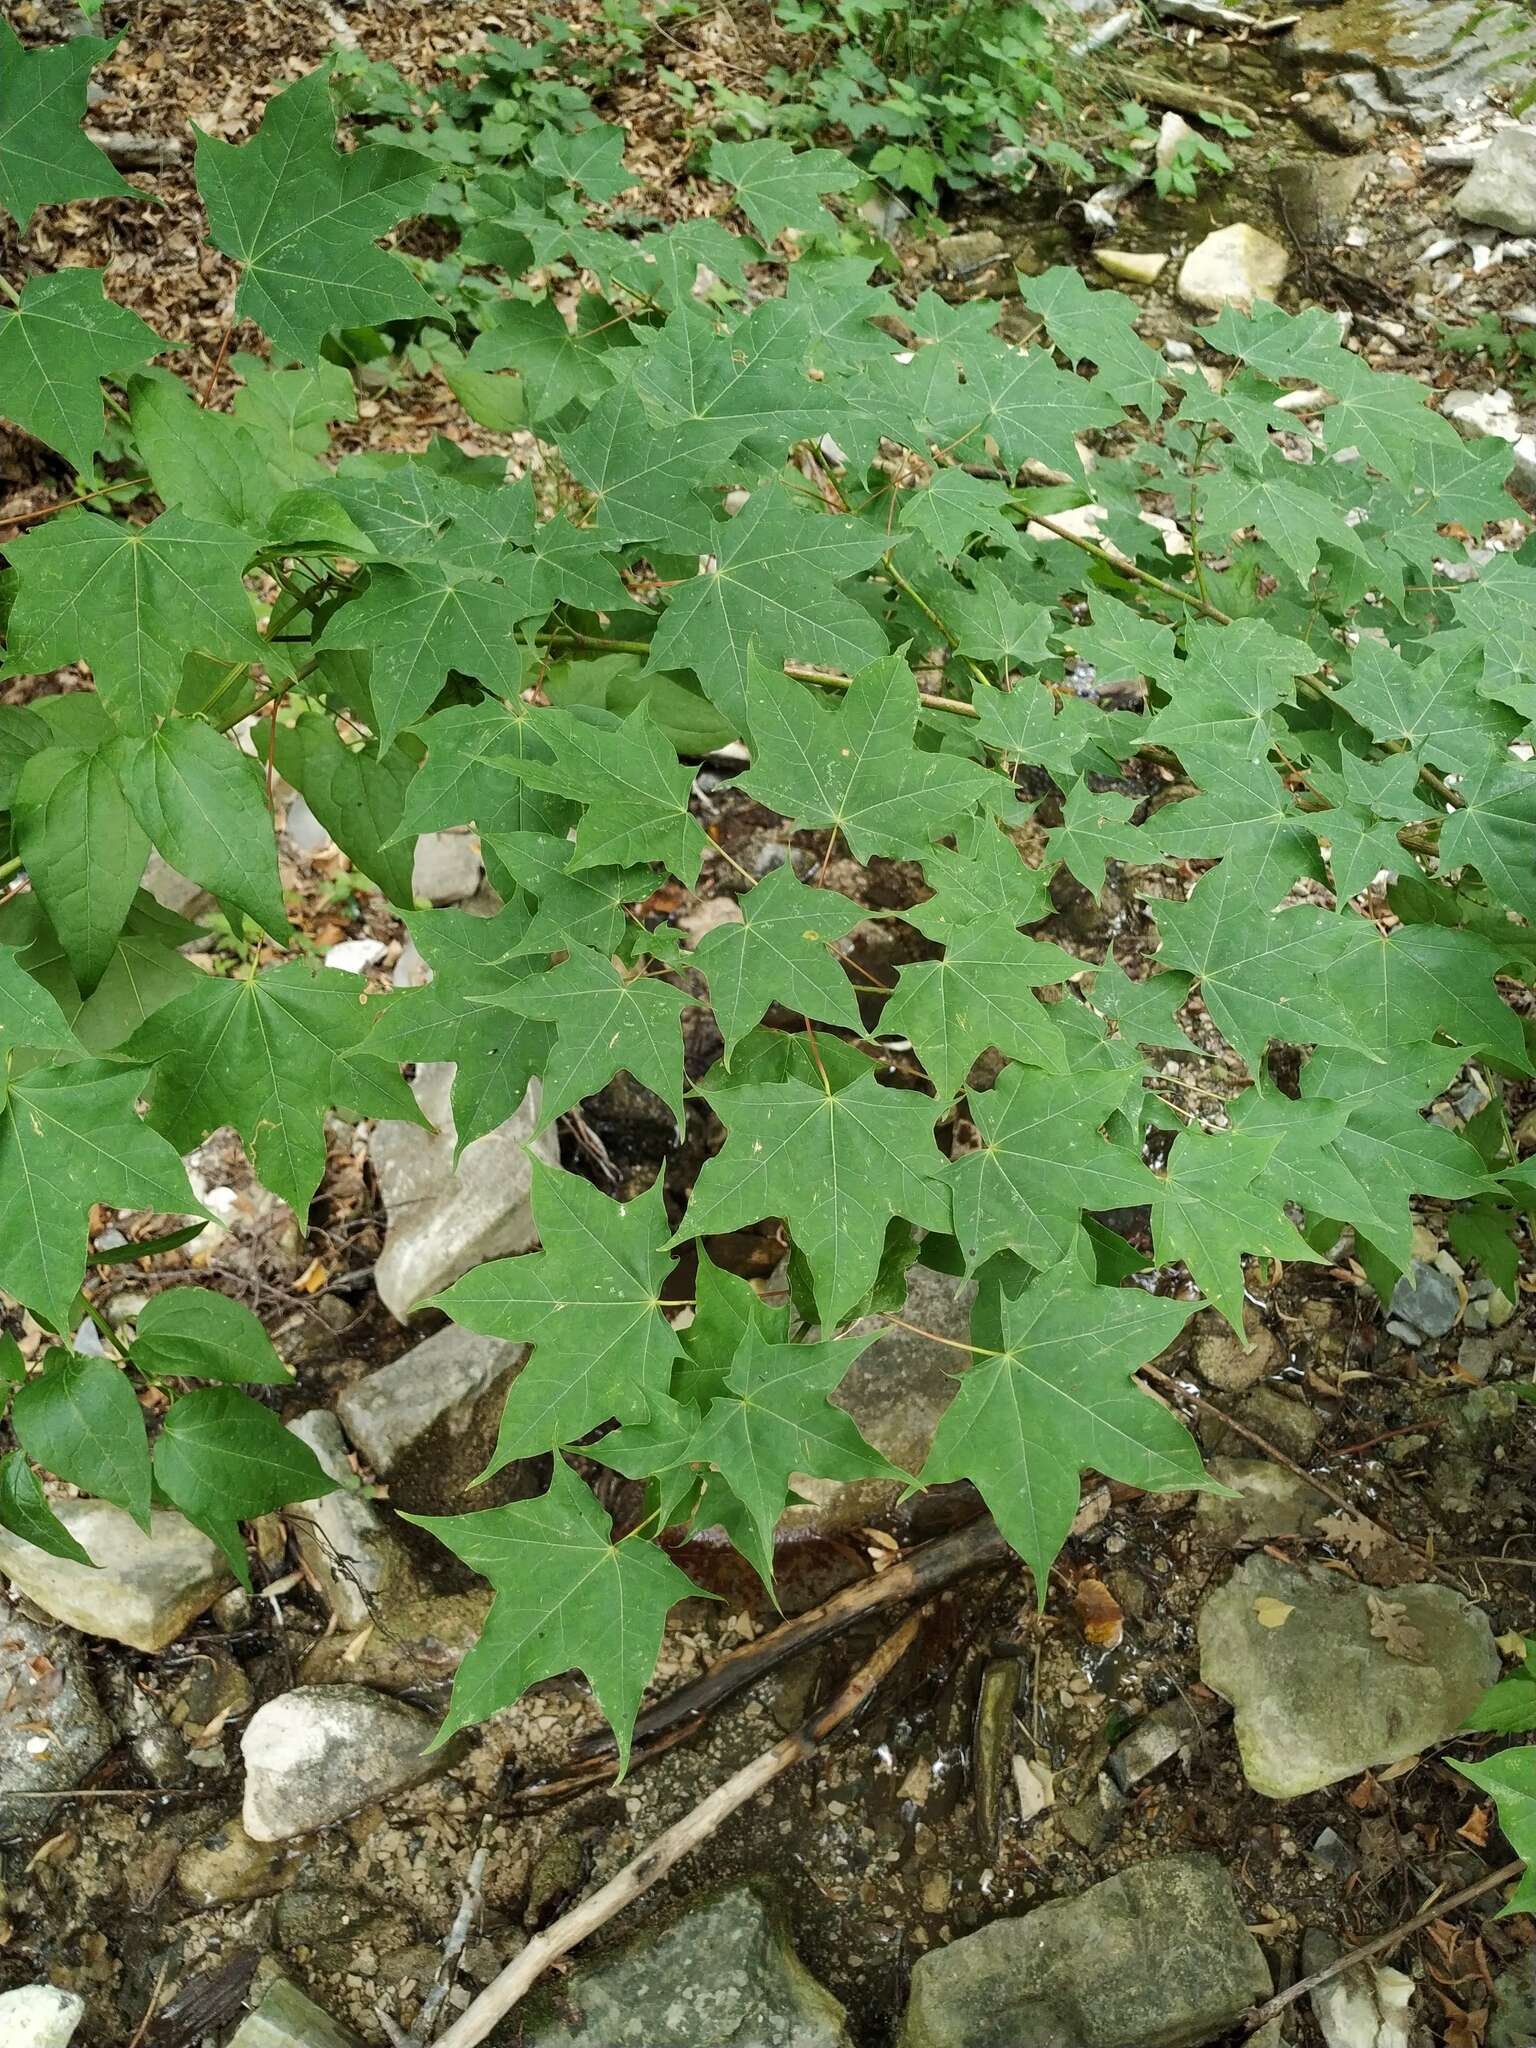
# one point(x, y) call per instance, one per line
point(453, 1948)
point(1263, 2014)
point(671, 1846)
point(921, 1573)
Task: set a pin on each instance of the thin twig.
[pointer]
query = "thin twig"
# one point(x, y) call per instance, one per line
point(1322, 1486)
point(1263, 2014)
point(671, 1846)
point(142, 2029)
point(453, 1947)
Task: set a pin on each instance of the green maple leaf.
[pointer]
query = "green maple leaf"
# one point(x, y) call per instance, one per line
point(588, 1303)
point(780, 953)
point(990, 623)
point(605, 1019)
point(29, 1015)
point(1030, 410)
point(836, 1157)
point(646, 479)
point(222, 1459)
point(1224, 694)
point(357, 794)
point(1207, 1212)
point(591, 158)
point(1061, 1398)
point(56, 344)
point(773, 588)
point(1493, 832)
point(772, 1419)
point(1245, 817)
point(207, 464)
point(953, 507)
point(982, 877)
point(1351, 1149)
point(270, 1054)
point(559, 364)
point(1043, 1160)
point(754, 378)
point(133, 602)
point(629, 777)
point(1294, 518)
point(417, 623)
point(303, 220)
point(45, 159)
point(980, 995)
point(472, 774)
point(573, 906)
point(1499, 608)
point(1052, 730)
point(1305, 347)
point(464, 1014)
point(1389, 420)
point(1265, 975)
point(1123, 644)
point(290, 412)
point(1095, 830)
point(1099, 327)
point(1407, 985)
point(1434, 708)
point(1370, 798)
point(70, 1135)
point(203, 803)
point(567, 1597)
point(780, 188)
point(853, 764)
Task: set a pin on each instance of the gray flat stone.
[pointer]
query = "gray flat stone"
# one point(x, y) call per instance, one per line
point(285, 2018)
point(39, 2016)
point(896, 1393)
point(1232, 267)
point(1501, 190)
point(447, 867)
point(723, 1975)
point(53, 1732)
point(142, 1590)
point(1318, 1696)
point(321, 1752)
point(1157, 1957)
point(432, 1387)
point(1270, 1502)
point(445, 1218)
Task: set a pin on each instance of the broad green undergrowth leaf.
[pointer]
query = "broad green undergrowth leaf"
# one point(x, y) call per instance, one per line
point(79, 1420)
point(85, 851)
point(780, 188)
point(1510, 1776)
point(71, 1136)
point(203, 803)
point(605, 1018)
point(25, 1512)
point(193, 1333)
point(223, 1459)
